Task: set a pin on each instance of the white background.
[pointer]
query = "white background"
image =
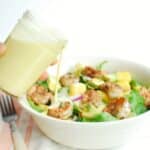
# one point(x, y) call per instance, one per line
point(118, 28)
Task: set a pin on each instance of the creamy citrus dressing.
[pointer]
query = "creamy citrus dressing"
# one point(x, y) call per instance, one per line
point(23, 62)
point(57, 76)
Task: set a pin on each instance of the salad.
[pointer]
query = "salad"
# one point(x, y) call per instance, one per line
point(90, 94)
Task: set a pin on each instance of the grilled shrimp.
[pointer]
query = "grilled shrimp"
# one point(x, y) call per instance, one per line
point(146, 94)
point(40, 95)
point(91, 72)
point(119, 107)
point(68, 79)
point(63, 111)
point(92, 97)
point(113, 90)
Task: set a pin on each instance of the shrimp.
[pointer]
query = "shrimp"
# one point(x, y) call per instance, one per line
point(91, 72)
point(63, 111)
point(146, 94)
point(119, 107)
point(68, 79)
point(113, 90)
point(92, 97)
point(40, 95)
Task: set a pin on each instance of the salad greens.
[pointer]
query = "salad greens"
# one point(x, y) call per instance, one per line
point(136, 102)
point(103, 116)
point(43, 83)
point(38, 108)
point(90, 94)
point(101, 65)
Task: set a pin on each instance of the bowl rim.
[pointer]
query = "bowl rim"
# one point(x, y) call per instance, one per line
point(35, 113)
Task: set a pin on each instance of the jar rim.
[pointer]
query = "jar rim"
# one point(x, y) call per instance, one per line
point(29, 22)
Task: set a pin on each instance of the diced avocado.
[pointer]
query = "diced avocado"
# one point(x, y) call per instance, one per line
point(76, 108)
point(78, 69)
point(92, 111)
point(52, 84)
point(103, 116)
point(124, 76)
point(135, 85)
point(38, 108)
point(84, 79)
point(77, 89)
point(96, 81)
point(104, 96)
point(110, 77)
point(91, 83)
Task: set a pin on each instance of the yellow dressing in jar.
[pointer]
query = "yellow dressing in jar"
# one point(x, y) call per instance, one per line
point(30, 50)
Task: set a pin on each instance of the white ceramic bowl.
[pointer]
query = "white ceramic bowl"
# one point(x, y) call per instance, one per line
point(102, 135)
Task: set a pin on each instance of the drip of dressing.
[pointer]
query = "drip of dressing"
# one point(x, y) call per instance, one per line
point(57, 76)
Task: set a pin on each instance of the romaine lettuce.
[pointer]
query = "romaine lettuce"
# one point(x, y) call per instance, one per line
point(136, 102)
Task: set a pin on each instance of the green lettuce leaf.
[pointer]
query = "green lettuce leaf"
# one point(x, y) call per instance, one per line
point(38, 108)
point(135, 85)
point(136, 102)
point(102, 117)
point(101, 65)
point(43, 83)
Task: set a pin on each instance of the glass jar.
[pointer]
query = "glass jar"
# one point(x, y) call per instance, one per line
point(31, 47)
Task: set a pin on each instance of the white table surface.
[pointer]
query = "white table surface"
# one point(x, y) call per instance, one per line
point(92, 27)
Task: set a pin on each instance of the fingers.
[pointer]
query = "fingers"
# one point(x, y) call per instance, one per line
point(44, 76)
point(2, 49)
